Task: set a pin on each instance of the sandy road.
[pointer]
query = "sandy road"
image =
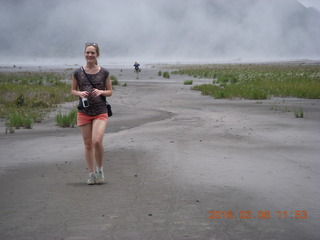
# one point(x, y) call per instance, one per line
point(172, 156)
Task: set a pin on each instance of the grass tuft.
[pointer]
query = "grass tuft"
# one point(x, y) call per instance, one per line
point(17, 120)
point(188, 82)
point(67, 120)
point(299, 113)
point(114, 80)
point(166, 74)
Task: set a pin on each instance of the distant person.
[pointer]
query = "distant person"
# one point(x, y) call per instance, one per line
point(92, 84)
point(137, 69)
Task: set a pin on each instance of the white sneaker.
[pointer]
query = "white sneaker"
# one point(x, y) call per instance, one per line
point(92, 179)
point(99, 177)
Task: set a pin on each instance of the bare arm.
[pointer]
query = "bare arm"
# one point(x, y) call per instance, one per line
point(75, 91)
point(109, 87)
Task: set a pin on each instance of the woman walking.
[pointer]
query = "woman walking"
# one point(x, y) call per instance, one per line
point(92, 84)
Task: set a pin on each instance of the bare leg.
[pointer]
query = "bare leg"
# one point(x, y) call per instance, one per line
point(98, 130)
point(86, 131)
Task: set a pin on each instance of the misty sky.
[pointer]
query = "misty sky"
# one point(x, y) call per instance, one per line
point(311, 3)
point(161, 29)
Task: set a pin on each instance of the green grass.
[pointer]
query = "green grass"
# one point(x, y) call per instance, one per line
point(67, 120)
point(166, 74)
point(299, 113)
point(114, 80)
point(188, 82)
point(25, 97)
point(253, 81)
point(17, 120)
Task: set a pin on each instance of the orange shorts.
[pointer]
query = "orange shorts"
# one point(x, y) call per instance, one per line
point(83, 119)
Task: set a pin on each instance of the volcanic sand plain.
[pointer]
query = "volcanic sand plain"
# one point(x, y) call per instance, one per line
point(178, 165)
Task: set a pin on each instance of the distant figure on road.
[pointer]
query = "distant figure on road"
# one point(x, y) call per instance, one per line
point(137, 69)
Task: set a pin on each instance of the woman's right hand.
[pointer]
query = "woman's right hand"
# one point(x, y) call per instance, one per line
point(83, 94)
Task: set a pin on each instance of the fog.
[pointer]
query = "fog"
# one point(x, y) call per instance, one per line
point(161, 30)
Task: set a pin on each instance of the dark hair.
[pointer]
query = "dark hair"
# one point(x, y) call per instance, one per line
point(96, 46)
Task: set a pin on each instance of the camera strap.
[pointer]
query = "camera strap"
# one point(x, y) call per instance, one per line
point(103, 97)
point(88, 77)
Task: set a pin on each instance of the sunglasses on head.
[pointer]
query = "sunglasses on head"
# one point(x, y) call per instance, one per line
point(91, 44)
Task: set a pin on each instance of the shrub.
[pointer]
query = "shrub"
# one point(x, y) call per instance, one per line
point(188, 82)
point(17, 120)
point(114, 80)
point(67, 120)
point(299, 113)
point(166, 75)
point(20, 100)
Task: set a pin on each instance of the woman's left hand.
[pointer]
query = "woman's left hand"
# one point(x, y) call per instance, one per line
point(96, 92)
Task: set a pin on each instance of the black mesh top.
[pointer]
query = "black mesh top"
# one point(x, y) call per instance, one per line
point(97, 105)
